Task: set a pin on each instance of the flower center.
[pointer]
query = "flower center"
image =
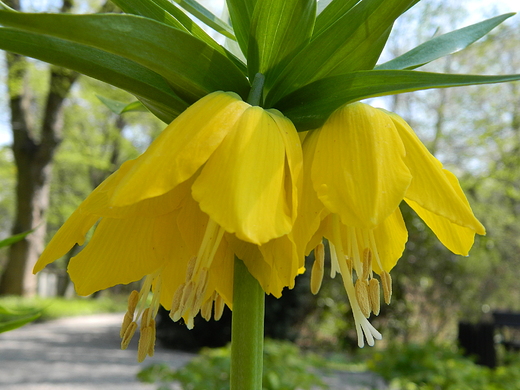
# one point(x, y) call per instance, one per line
point(354, 262)
point(192, 296)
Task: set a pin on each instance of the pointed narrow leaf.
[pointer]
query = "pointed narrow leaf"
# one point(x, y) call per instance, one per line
point(353, 43)
point(310, 106)
point(191, 67)
point(112, 69)
point(443, 45)
point(204, 15)
point(149, 9)
point(119, 107)
point(13, 239)
point(10, 320)
point(160, 109)
point(3, 6)
point(165, 12)
point(335, 10)
point(241, 13)
point(279, 30)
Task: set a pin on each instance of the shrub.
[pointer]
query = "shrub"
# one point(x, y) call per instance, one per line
point(285, 368)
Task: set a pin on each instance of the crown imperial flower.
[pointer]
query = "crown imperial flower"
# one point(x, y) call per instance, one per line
point(220, 180)
point(359, 166)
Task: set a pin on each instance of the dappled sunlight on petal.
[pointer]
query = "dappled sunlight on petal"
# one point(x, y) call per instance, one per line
point(242, 186)
point(120, 252)
point(358, 170)
point(181, 149)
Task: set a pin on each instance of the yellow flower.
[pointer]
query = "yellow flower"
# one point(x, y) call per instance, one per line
point(358, 167)
point(221, 179)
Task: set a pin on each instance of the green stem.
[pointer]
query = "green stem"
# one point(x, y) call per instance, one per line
point(255, 95)
point(247, 325)
point(247, 330)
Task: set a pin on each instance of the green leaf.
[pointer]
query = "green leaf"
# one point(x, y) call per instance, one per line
point(279, 30)
point(10, 319)
point(112, 69)
point(119, 107)
point(310, 106)
point(165, 12)
point(149, 9)
point(5, 7)
point(191, 67)
point(161, 110)
point(204, 16)
point(333, 12)
point(353, 42)
point(443, 45)
point(13, 239)
point(241, 13)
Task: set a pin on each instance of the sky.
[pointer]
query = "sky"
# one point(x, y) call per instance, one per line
point(480, 9)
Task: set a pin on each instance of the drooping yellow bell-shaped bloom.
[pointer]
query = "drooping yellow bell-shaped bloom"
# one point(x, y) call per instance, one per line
point(221, 180)
point(358, 167)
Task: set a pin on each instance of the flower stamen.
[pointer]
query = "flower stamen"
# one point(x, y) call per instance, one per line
point(374, 295)
point(318, 268)
point(386, 281)
point(191, 296)
point(363, 299)
point(145, 313)
point(364, 329)
point(367, 264)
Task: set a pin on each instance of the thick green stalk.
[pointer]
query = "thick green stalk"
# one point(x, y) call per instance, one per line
point(247, 330)
point(247, 326)
point(256, 92)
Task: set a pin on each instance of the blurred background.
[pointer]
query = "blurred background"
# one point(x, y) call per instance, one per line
point(58, 142)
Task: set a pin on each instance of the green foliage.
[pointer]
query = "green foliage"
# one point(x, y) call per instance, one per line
point(354, 42)
point(167, 51)
point(205, 16)
point(432, 366)
point(443, 45)
point(10, 319)
point(119, 107)
point(308, 107)
point(168, 62)
point(53, 308)
point(279, 30)
point(13, 239)
point(285, 368)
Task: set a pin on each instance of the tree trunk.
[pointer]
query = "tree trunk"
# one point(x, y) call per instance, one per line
point(33, 156)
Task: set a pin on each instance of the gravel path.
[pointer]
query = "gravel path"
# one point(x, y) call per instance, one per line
point(82, 353)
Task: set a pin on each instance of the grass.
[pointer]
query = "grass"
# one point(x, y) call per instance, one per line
point(58, 307)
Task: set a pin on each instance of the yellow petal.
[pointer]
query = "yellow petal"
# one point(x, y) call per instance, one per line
point(359, 171)
point(192, 224)
point(174, 253)
point(242, 186)
point(312, 210)
point(221, 273)
point(99, 202)
point(390, 238)
point(254, 260)
point(456, 238)
point(294, 159)
point(281, 254)
point(120, 251)
point(76, 227)
point(181, 149)
point(433, 187)
point(72, 232)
